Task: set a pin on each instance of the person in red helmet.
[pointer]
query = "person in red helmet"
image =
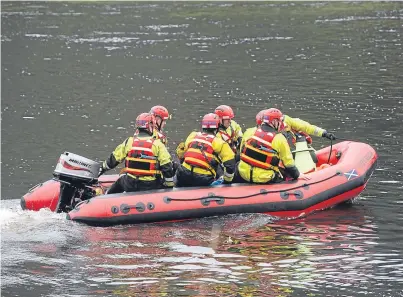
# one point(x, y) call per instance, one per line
point(147, 162)
point(203, 152)
point(293, 128)
point(229, 130)
point(160, 115)
point(263, 150)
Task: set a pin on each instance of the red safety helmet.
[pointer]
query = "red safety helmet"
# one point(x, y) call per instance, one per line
point(224, 112)
point(145, 121)
point(210, 121)
point(259, 117)
point(274, 118)
point(160, 111)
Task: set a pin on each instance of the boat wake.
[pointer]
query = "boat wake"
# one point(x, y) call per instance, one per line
point(12, 218)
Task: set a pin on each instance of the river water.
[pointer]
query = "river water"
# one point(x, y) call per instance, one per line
point(75, 76)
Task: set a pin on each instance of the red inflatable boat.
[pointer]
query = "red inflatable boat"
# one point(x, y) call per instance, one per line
point(352, 165)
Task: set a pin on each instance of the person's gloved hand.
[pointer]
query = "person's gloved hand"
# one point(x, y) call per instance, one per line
point(102, 170)
point(180, 150)
point(329, 135)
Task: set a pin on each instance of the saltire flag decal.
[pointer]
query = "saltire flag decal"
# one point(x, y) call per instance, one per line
point(351, 174)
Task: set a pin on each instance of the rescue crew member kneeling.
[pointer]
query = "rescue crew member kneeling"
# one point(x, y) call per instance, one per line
point(202, 154)
point(263, 150)
point(148, 164)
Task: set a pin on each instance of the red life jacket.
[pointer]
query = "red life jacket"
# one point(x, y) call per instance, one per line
point(258, 151)
point(200, 152)
point(140, 160)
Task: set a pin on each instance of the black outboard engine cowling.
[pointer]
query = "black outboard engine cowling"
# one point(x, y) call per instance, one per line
point(76, 175)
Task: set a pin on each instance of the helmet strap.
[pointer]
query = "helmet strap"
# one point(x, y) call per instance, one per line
point(156, 122)
point(267, 127)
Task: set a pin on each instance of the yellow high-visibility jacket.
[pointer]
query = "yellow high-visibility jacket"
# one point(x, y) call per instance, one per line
point(297, 124)
point(246, 135)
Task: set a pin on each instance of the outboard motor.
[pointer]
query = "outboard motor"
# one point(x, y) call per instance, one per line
point(76, 175)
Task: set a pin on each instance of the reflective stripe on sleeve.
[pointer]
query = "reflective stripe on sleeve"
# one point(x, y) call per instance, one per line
point(226, 174)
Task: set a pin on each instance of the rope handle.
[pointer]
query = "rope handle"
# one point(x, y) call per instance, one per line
point(262, 192)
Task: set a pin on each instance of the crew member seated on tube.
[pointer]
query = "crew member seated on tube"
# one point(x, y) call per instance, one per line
point(229, 130)
point(202, 154)
point(293, 128)
point(161, 115)
point(263, 150)
point(147, 162)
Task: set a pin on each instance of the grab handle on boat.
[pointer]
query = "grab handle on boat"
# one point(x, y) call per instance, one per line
point(298, 194)
point(125, 208)
point(205, 201)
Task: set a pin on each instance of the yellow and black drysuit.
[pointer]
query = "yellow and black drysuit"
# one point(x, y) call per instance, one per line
point(262, 149)
point(147, 164)
point(232, 135)
point(203, 153)
point(294, 126)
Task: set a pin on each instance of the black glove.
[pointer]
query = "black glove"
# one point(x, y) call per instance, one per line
point(329, 135)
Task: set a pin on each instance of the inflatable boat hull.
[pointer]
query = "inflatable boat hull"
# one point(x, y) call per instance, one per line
point(353, 162)
point(327, 187)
